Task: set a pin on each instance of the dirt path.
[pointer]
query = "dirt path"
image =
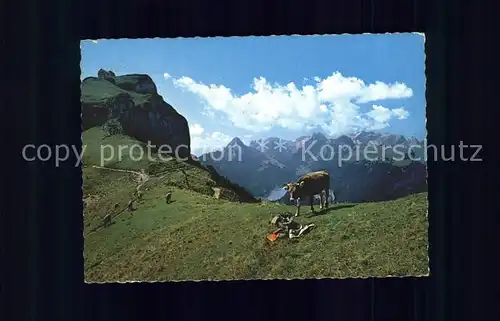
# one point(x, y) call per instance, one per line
point(142, 176)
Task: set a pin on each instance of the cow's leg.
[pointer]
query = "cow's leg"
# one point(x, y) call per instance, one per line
point(327, 196)
point(321, 200)
point(298, 207)
point(311, 201)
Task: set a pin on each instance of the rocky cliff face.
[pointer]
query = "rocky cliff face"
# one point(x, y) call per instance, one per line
point(134, 102)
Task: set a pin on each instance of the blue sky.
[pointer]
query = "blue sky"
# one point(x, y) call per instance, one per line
point(287, 86)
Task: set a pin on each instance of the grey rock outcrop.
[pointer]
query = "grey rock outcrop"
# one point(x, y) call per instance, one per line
point(133, 100)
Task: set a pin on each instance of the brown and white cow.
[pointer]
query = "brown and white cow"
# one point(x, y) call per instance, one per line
point(309, 185)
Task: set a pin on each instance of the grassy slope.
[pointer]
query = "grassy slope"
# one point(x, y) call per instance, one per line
point(94, 142)
point(199, 237)
point(97, 91)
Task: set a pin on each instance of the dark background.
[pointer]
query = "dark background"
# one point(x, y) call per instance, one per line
point(41, 265)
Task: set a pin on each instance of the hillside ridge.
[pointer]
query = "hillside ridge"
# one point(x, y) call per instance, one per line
point(127, 110)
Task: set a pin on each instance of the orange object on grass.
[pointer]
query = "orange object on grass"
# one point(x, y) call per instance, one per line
point(272, 237)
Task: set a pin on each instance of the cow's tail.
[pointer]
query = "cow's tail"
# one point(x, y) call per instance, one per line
point(336, 192)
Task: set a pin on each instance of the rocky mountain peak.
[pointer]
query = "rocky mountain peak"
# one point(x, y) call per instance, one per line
point(133, 101)
point(318, 136)
point(236, 141)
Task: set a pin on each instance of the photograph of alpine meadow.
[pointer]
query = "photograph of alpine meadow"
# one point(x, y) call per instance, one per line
point(246, 158)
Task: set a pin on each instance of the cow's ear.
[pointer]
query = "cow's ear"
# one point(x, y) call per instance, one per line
point(285, 187)
point(301, 184)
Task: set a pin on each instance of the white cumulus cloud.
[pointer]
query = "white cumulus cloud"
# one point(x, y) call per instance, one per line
point(196, 130)
point(380, 91)
point(204, 142)
point(401, 113)
point(332, 103)
point(381, 115)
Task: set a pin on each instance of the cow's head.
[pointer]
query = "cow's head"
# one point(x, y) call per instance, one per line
point(293, 189)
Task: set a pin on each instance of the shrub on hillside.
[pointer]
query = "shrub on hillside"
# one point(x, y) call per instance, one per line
point(112, 127)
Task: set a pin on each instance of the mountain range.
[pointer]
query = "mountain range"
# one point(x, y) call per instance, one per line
point(364, 166)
